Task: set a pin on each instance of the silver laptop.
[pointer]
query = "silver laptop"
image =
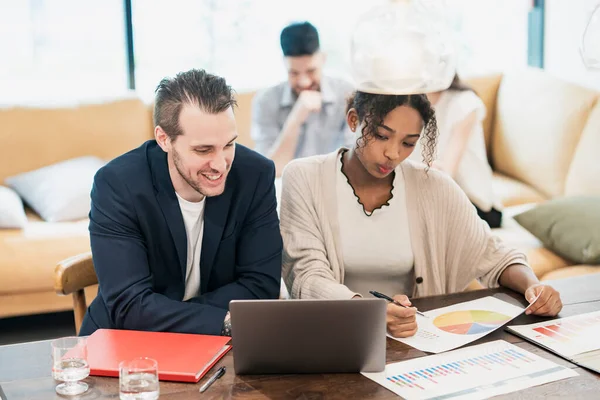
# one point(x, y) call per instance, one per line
point(308, 336)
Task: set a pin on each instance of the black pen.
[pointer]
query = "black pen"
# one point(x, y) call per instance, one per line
point(220, 372)
point(388, 298)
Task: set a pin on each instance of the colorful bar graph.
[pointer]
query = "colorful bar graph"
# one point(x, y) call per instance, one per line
point(550, 333)
point(477, 372)
point(569, 330)
point(427, 376)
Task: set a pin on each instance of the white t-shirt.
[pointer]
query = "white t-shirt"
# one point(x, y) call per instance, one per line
point(474, 174)
point(193, 219)
point(376, 249)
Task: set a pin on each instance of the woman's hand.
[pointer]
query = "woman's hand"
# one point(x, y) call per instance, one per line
point(549, 303)
point(401, 322)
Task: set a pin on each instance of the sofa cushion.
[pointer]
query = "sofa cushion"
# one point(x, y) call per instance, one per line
point(511, 192)
point(28, 256)
point(25, 303)
point(34, 136)
point(541, 259)
point(536, 112)
point(486, 88)
point(568, 226)
point(584, 173)
point(243, 118)
point(59, 192)
point(568, 272)
point(12, 213)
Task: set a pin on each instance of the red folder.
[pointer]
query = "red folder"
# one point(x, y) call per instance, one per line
point(181, 357)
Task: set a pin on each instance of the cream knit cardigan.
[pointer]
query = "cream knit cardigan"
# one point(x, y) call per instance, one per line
point(451, 244)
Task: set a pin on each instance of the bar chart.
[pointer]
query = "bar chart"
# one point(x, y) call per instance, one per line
point(566, 336)
point(431, 375)
point(474, 372)
point(568, 330)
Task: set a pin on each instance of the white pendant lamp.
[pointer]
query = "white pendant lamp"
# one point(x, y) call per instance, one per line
point(403, 47)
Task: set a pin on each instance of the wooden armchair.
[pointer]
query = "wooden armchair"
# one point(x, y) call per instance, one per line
point(71, 276)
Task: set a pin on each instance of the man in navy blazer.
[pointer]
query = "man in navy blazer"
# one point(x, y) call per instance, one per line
point(185, 223)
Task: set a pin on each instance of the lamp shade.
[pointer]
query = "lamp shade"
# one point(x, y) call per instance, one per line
point(402, 47)
point(590, 42)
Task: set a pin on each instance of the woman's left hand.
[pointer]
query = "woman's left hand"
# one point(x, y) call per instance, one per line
point(549, 303)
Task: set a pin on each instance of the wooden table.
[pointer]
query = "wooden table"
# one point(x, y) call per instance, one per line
point(25, 368)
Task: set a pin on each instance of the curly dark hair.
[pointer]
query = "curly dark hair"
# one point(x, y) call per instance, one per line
point(372, 109)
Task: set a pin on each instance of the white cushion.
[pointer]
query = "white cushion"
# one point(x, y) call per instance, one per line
point(59, 192)
point(12, 213)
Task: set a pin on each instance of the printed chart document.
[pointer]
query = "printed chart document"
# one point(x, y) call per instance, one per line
point(476, 372)
point(450, 327)
point(573, 338)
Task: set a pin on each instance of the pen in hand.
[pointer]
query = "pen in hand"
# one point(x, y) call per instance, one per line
point(220, 372)
point(388, 298)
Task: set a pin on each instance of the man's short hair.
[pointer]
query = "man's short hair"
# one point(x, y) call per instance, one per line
point(299, 39)
point(210, 93)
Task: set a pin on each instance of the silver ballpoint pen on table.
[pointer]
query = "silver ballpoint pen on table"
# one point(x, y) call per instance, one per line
point(220, 372)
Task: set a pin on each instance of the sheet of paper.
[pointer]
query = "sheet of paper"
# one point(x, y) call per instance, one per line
point(476, 372)
point(450, 327)
point(566, 336)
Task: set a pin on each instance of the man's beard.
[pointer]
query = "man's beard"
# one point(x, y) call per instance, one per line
point(193, 184)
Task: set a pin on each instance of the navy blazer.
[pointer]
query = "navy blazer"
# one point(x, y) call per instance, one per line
point(139, 245)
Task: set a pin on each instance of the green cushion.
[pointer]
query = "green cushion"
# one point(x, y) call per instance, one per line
point(569, 226)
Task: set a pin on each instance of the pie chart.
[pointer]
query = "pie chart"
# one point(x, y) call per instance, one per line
point(470, 322)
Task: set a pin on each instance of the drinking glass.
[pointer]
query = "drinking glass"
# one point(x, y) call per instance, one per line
point(70, 365)
point(138, 379)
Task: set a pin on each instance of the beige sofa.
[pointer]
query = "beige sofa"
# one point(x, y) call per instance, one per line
point(34, 137)
point(543, 137)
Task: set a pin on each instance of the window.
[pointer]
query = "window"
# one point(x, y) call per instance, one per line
point(239, 39)
point(565, 25)
point(78, 47)
point(491, 35)
point(69, 47)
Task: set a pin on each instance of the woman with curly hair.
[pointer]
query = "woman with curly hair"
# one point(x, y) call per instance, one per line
point(367, 218)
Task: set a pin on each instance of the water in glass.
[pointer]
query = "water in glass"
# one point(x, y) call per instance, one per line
point(71, 370)
point(139, 380)
point(70, 365)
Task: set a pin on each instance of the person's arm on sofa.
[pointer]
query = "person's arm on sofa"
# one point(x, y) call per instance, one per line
point(259, 247)
point(121, 263)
